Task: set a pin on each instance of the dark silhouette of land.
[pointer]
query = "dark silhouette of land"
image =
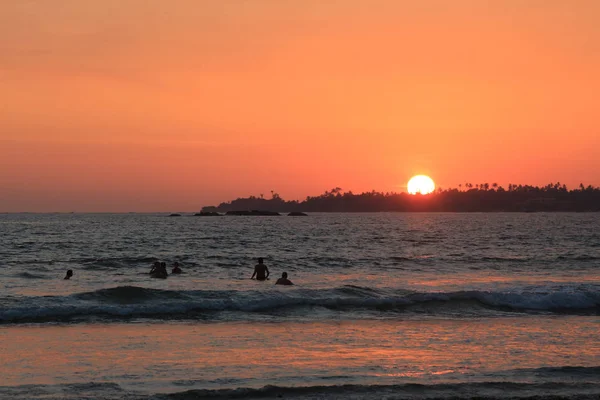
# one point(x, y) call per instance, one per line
point(465, 198)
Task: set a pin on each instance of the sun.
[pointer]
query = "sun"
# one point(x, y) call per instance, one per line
point(421, 184)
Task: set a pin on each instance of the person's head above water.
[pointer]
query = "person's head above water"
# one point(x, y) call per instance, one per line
point(176, 269)
point(260, 260)
point(69, 274)
point(284, 280)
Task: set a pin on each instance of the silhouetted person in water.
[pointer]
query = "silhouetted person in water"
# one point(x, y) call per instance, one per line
point(155, 267)
point(283, 280)
point(159, 270)
point(259, 271)
point(69, 274)
point(176, 269)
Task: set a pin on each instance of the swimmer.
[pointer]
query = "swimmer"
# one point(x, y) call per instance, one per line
point(283, 280)
point(176, 269)
point(259, 271)
point(159, 270)
point(163, 269)
point(69, 274)
point(155, 267)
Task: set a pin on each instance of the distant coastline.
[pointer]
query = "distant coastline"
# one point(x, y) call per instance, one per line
point(553, 197)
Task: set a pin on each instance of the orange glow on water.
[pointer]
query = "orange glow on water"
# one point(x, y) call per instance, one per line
point(410, 349)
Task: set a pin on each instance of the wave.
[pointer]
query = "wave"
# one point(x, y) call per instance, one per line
point(506, 259)
point(392, 261)
point(494, 390)
point(90, 263)
point(487, 390)
point(139, 302)
point(492, 260)
point(28, 275)
point(571, 371)
point(581, 257)
point(114, 262)
point(90, 390)
point(130, 294)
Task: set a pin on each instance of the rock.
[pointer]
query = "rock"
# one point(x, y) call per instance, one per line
point(207, 214)
point(254, 213)
point(297, 214)
point(175, 215)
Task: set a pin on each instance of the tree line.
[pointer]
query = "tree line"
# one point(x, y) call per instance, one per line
point(466, 197)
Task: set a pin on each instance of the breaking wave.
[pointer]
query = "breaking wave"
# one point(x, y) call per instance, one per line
point(28, 275)
point(124, 302)
point(483, 390)
point(476, 390)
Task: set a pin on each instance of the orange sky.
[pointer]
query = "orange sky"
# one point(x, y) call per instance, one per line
point(148, 105)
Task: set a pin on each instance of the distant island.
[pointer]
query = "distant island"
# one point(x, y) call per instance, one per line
point(484, 197)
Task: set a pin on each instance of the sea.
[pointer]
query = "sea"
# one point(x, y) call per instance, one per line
point(383, 306)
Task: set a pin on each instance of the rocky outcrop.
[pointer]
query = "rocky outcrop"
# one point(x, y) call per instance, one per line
point(253, 213)
point(207, 214)
point(297, 214)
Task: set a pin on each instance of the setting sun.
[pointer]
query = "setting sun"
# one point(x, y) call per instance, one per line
point(421, 184)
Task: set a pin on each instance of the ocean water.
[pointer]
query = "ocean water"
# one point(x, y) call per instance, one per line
point(385, 305)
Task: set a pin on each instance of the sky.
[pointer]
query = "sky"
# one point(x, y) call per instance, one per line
point(149, 105)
